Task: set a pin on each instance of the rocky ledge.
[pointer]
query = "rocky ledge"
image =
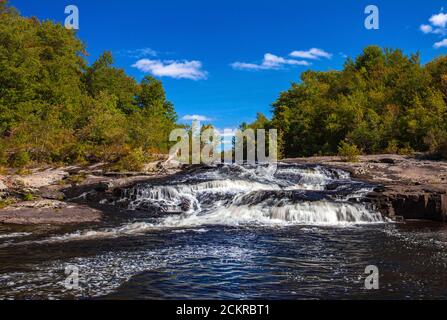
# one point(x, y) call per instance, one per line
point(56, 195)
point(48, 212)
point(408, 187)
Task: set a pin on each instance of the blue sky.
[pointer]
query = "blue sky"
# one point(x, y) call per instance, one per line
point(227, 60)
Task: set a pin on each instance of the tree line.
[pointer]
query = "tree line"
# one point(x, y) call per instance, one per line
point(381, 102)
point(55, 108)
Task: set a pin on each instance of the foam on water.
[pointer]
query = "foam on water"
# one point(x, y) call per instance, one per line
point(102, 274)
point(14, 235)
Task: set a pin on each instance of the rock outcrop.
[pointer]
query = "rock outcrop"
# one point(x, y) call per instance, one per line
point(407, 187)
point(411, 202)
point(56, 195)
point(39, 179)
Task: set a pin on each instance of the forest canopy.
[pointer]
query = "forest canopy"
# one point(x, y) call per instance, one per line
point(54, 108)
point(383, 101)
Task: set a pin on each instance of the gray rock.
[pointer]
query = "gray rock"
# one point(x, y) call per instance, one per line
point(3, 186)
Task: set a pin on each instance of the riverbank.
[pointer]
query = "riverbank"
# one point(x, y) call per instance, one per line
point(52, 195)
point(408, 187)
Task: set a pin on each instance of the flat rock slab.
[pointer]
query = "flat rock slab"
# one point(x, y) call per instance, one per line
point(40, 179)
point(387, 169)
point(48, 212)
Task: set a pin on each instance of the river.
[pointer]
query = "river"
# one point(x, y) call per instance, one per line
point(231, 232)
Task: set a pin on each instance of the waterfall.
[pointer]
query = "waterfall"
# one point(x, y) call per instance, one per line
point(233, 195)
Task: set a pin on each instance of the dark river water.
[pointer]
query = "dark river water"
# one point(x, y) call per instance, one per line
point(230, 232)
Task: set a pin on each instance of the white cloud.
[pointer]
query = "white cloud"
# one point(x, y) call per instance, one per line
point(174, 69)
point(440, 44)
point(425, 28)
point(196, 117)
point(438, 24)
point(139, 53)
point(270, 62)
point(313, 54)
point(439, 20)
point(246, 66)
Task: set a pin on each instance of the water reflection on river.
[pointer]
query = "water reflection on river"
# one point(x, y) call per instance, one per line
point(236, 263)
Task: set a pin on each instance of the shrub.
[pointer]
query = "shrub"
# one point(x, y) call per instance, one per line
point(3, 170)
point(6, 202)
point(392, 148)
point(441, 151)
point(28, 197)
point(19, 159)
point(3, 154)
point(133, 161)
point(406, 150)
point(348, 152)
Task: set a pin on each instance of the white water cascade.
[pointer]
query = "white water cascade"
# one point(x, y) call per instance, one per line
point(234, 195)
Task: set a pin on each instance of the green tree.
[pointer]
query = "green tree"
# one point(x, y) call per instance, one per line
point(102, 77)
point(55, 108)
point(381, 100)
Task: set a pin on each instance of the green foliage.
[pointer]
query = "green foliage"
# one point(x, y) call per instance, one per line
point(392, 147)
point(19, 159)
point(383, 101)
point(28, 197)
point(261, 123)
point(54, 108)
point(349, 152)
point(101, 77)
point(134, 161)
point(441, 150)
point(6, 202)
point(405, 150)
